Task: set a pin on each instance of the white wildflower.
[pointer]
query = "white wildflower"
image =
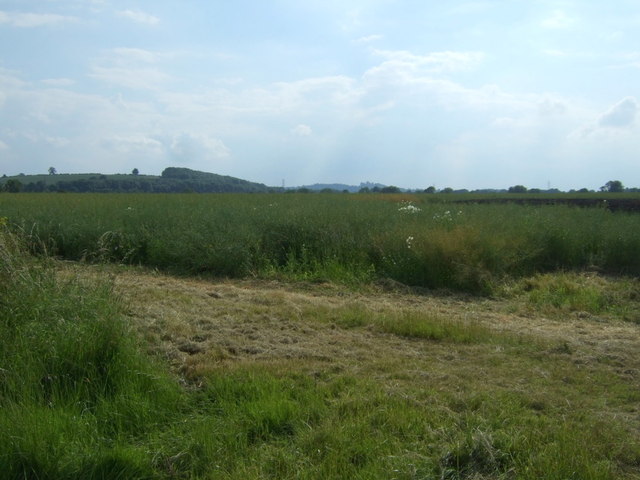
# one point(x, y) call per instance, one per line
point(409, 241)
point(409, 207)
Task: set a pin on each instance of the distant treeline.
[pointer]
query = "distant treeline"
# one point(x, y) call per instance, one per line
point(185, 180)
point(172, 180)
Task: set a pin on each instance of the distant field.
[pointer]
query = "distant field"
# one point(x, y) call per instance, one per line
point(466, 243)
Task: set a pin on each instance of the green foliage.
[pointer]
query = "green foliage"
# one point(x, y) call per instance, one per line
point(172, 180)
point(518, 189)
point(417, 240)
point(74, 390)
point(613, 186)
point(12, 186)
point(78, 399)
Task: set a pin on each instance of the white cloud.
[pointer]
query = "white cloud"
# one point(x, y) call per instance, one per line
point(132, 68)
point(53, 141)
point(435, 62)
point(134, 78)
point(133, 55)
point(629, 60)
point(622, 114)
point(58, 82)
point(369, 39)
point(139, 17)
point(302, 130)
point(188, 147)
point(3, 146)
point(558, 21)
point(134, 144)
point(28, 20)
point(551, 106)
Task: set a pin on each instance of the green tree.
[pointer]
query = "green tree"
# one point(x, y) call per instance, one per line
point(135, 171)
point(518, 189)
point(52, 171)
point(12, 186)
point(430, 189)
point(390, 189)
point(612, 186)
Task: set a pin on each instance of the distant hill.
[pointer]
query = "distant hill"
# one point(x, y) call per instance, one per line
point(172, 180)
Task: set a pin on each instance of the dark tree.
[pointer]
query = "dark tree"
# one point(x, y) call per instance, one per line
point(135, 171)
point(52, 171)
point(612, 186)
point(518, 189)
point(12, 186)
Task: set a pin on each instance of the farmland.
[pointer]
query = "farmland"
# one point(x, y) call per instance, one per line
point(317, 336)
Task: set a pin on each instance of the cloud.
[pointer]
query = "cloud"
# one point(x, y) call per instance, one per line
point(58, 82)
point(435, 62)
point(558, 21)
point(629, 60)
point(29, 20)
point(3, 146)
point(622, 114)
point(188, 148)
point(53, 141)
point(134, 144)
point(302, 130)
point(133, 68)
point(550, 106)
point(368, 39)
point(139, 16)
point(134, 78)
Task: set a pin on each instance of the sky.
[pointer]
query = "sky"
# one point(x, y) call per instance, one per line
point(412, 93)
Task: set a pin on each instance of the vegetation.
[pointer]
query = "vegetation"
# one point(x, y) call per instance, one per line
point(419, 240)
point(273, 383)
point(172, 180)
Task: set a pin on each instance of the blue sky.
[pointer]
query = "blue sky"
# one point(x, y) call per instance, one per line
point(462, 94)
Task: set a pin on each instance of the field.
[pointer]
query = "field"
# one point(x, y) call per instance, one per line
point(317, 336)
point(418, 240)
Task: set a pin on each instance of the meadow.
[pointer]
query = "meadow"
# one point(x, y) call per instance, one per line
point(418, 240)
point(316, 337)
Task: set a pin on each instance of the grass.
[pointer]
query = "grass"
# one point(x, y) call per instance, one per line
point(114, 372)
point(419, 240)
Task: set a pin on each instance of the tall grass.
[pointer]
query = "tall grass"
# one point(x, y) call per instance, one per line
point(75, 393)
point(348, 238)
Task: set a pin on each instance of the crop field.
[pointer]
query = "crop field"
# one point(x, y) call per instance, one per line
point(284, 336)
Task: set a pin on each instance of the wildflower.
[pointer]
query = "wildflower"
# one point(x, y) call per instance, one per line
point(409, 207)
point(409, 241)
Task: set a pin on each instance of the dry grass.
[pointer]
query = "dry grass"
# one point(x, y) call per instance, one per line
point(200, 326)
point(536, 374)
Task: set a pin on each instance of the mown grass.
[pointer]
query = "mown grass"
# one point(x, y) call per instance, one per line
point(351, 239)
